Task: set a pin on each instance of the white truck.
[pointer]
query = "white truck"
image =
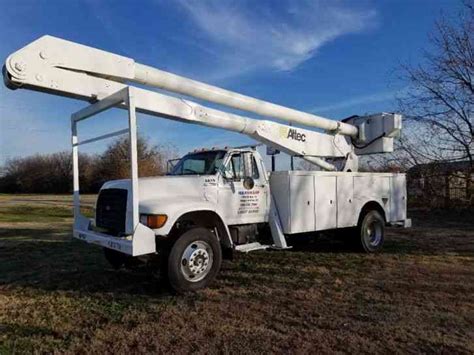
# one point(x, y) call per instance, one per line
point(215, 201)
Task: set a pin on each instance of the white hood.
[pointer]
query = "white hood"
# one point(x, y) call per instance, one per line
point(156, 191)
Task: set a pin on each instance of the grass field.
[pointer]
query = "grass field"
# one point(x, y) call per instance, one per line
point(58, 294)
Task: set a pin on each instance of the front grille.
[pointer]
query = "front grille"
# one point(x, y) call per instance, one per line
point(111, 210)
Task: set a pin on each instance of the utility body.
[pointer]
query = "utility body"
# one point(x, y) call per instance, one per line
point(217, 201)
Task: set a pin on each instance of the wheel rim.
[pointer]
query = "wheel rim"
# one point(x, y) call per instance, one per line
point(374, 233)
point(196, 261)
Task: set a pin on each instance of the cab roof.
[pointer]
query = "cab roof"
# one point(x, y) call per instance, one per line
point(227, 149)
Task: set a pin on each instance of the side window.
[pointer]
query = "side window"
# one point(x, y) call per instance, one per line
point(237, 166)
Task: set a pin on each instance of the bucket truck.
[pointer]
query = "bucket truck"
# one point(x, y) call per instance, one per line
point(215, 201)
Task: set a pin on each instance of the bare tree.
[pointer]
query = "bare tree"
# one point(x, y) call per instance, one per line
point(439, 104)
point(114, 163)
point(438, 107)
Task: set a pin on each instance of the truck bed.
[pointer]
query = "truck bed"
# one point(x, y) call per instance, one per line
point(318, 200)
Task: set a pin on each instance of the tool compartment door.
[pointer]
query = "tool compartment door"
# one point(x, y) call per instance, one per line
point(398, 200)
point(302, 203)
point(326, 206)
point(346, 215)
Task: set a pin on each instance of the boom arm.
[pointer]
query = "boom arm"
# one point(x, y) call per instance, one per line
point(69, 69)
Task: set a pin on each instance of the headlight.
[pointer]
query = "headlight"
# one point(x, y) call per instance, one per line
point(153, 220)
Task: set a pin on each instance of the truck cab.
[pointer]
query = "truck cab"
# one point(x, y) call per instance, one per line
point(229, 184)
point(234, 181)
point(222, 193)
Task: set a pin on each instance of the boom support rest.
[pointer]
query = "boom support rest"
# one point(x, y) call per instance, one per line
point(138, 238)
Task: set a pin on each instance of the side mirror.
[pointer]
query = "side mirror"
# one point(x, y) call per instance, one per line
point(248, 183)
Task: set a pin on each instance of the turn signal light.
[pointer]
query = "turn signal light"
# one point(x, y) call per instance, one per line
point(154, 220)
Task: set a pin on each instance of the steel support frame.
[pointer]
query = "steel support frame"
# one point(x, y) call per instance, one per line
point(139, 239)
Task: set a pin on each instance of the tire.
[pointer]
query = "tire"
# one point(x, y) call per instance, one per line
point(194, 260)
point(371, 232)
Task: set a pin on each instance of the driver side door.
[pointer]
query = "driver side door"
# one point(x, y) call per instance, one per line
point(236, 202)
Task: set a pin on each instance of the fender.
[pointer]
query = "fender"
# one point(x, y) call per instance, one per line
point(174, 209)
point(371, 203)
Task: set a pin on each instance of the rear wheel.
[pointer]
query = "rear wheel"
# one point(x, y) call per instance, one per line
point(371, 232)
point(194, 260)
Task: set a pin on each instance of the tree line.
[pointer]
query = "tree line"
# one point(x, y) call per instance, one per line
point(52, 173)
point(439, 113)
point(438, 103)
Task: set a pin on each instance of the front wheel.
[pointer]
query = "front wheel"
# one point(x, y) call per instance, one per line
point(371, 232)
point(194, 260)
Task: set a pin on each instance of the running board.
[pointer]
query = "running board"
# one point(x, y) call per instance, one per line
point(245, 248)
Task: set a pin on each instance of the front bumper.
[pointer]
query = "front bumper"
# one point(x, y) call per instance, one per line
point(141, 242)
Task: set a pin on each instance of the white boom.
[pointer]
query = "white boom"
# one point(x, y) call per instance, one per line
point(69, 69)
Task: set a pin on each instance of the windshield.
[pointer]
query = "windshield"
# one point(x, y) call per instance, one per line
point(202, 163)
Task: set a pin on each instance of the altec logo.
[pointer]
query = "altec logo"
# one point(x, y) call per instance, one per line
point(294, 134)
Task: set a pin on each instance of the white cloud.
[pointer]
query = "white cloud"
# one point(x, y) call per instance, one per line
point(252, 36)
point(361, 100)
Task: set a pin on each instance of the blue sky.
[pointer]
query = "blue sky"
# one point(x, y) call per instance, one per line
point(334, 58)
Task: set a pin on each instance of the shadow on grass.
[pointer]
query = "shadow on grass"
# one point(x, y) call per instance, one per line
point(417, 241)
point(346, 244)
point(50, 259)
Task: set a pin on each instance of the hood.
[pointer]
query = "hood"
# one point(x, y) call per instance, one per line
point(163, 188)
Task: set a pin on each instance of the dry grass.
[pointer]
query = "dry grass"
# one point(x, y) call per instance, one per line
point(58, 294)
